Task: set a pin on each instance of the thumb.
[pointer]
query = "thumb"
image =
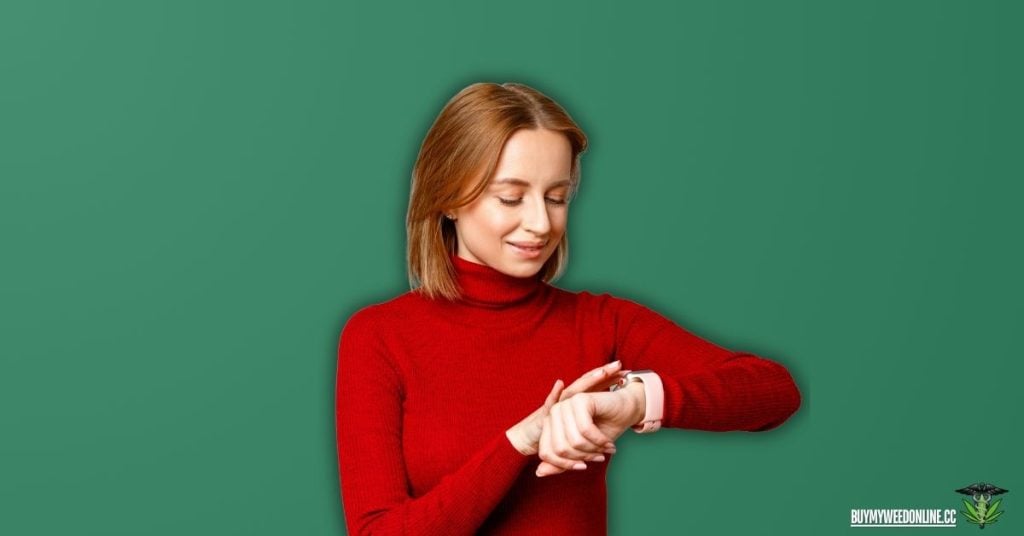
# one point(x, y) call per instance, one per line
point(553, 395)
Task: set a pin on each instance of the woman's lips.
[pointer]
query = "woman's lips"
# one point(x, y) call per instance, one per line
point(527, 251)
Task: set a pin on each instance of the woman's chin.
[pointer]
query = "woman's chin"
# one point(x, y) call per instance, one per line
point(522, 267)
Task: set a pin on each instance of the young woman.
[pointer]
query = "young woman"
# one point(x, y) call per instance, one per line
point(447, 419)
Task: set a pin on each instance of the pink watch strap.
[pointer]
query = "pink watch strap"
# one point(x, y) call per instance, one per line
point(654, 393)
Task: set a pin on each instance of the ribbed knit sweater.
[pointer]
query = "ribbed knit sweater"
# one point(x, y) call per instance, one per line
point(427, 388)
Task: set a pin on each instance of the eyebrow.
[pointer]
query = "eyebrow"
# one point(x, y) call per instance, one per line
point(521, 182)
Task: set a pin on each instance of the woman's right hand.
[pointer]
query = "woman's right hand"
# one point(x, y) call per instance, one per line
point(525, 435)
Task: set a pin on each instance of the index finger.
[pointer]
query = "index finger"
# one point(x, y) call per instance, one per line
point(597, 379)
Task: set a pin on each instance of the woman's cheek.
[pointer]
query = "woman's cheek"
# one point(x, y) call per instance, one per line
point(559, 219)
point(506, 224)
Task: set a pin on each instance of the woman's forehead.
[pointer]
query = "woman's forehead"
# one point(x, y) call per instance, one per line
point(530, 155)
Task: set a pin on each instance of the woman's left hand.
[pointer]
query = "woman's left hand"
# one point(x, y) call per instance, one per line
point(610, 412)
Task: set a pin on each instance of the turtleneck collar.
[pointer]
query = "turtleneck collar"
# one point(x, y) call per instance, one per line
point(487, 287)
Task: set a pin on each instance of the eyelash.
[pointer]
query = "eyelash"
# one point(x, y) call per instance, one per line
point(514, 202)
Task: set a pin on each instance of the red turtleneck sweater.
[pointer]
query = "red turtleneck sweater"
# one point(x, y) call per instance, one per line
point(427, 388)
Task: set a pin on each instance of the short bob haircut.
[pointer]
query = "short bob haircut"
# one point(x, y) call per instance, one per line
point(457, 161)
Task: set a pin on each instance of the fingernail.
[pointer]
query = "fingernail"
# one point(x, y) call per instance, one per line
point(599, 458)
point(615, 364)
point(579, 466)
point(598, 372)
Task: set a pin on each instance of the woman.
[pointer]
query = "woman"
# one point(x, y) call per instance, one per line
point(447, 419)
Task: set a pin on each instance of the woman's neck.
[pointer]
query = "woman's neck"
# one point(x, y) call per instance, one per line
point(484, 286)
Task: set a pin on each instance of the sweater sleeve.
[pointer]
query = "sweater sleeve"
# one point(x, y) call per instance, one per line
point(374, 484)
point(706, 387)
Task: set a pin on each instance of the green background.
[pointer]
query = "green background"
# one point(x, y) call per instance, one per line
point(195, 195)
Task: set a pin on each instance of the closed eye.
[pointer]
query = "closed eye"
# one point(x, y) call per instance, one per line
point(514, 202)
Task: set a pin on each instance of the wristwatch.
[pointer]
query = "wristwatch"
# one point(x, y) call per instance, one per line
point(654, 392)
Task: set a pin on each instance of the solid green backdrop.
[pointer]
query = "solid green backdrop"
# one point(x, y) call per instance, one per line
point(195, 195)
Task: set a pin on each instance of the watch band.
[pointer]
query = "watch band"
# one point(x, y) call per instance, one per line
point(654, 393)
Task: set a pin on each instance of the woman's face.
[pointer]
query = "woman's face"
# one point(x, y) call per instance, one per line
point(517, 222)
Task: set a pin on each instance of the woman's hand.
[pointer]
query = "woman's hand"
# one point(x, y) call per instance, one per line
point(525, 435)
point(570, 424)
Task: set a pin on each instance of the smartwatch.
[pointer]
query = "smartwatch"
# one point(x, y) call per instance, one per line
point(654, 392)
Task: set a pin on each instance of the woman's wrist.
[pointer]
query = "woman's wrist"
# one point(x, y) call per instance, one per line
point(635, 393)
point(519, 443)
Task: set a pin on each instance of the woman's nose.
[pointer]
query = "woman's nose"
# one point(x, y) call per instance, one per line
point(536, 218)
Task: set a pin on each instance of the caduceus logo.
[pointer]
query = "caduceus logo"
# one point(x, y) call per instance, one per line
point(982, 511)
